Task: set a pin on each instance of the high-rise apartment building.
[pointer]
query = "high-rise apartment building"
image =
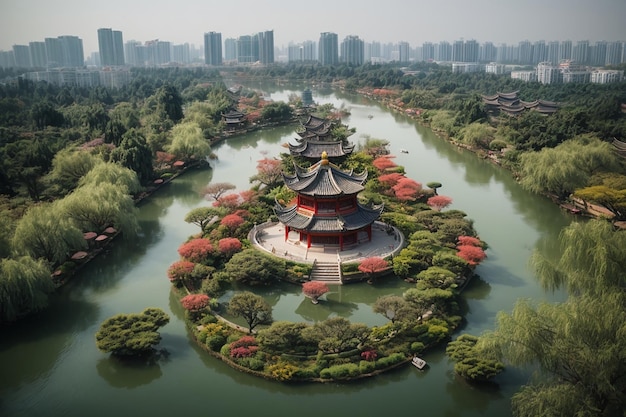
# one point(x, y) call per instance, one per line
point(266, 47)
point(38, 57)
point(404, 52)
point(72, 51)
point(352, 50)
point(21, 54)
point(111, 47)
point(301, 52)
point(213, 48)
point(230, 49)
point(328, 48)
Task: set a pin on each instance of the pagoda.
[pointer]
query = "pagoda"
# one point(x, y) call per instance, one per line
point(327, 212)
point(316, 138)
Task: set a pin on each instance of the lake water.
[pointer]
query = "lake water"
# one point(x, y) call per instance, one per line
point(49, 364)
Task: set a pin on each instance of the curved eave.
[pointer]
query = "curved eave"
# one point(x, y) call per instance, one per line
point(357, 220)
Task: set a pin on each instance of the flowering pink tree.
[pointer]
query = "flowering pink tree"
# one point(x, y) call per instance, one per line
point(469, 240)
point(245, 347)
point(391, 179)
point(373, 265)
point(269, 171)
point(407, 189)
point(228, 201)
point(384, 162)
point(369, 355)
point(195, 302)
point(196, 250)
point(215, 190)
point(439, 202)
point(229, 245)
point(232, 221)
point(314, 290)
point(472, 254)
point(179, 272)
point(248, 196)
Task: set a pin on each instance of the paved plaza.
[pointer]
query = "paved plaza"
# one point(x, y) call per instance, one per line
point(270, 237)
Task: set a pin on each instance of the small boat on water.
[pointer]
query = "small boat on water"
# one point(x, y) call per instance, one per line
point(419, 363)
point(404, 151)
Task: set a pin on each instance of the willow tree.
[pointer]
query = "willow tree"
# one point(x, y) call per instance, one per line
point(111, 173)
point(567, 167)
point(69, 166)
point(45, 231)
point(188, 142)
point(24, 287)
point(579, 345)
point(95, 208)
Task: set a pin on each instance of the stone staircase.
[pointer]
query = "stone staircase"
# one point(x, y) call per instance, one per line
point(328, 272)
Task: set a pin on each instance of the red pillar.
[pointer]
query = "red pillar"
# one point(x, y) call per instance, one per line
point(308, 240)
point(286, 232)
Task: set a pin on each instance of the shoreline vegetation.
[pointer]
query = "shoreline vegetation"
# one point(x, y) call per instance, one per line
point(163, 110)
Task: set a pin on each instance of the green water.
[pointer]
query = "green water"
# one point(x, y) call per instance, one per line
point(49, 365)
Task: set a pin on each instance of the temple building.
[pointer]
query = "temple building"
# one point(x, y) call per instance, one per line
point(510, 104)
point(327, 212)
point(316, 138)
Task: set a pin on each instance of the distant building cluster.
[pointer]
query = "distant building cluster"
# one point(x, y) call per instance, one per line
point(554, 61)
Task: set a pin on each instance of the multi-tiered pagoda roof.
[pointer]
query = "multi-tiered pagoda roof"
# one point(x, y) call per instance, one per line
point(327, 209)
point(316, 138)
point(510, 103)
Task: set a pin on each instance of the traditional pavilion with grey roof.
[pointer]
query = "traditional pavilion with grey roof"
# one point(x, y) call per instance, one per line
point(316, 138)
point(510, 104)
point(327, 212)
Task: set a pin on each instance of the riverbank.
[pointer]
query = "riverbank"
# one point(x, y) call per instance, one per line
point(572, 205)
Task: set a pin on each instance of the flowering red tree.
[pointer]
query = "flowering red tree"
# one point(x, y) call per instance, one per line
point(472, 254)
point(228, 201)
point(407, 189)
point(314, 290)
point(391, 179)
point(232, 221)
point(244, 347)
point(439, 202)
point(469, 240)
point(384, 162)
point(369, 355)
point(195, 302)
point(269, 171)
point(373, 265)
point(248, 196)
point(229, 245)
point(196, 250)
point(180, 271)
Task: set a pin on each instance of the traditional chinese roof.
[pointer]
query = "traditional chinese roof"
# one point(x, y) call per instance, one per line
point(233, 116)
point(305, 220)
point(315, 128)
point(314, 149)
point(325, 179)
point(620, 147)
point(510, 104)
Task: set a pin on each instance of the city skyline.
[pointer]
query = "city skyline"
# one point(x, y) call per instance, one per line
point(23, 21)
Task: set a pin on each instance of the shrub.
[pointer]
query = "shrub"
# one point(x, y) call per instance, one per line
point(282, 371)
point(366, 367)
point(416, 347)
point(252, 363)
point(215, 342)
point(345, 370)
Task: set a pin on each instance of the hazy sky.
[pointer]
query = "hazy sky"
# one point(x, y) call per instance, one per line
point(414, 21)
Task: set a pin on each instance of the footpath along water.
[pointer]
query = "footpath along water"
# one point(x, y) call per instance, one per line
point(51, 367)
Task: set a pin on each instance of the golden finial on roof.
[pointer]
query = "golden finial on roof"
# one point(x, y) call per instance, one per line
point(324, 160)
